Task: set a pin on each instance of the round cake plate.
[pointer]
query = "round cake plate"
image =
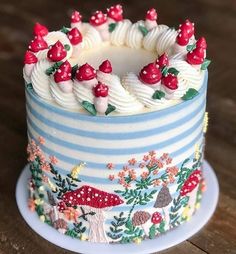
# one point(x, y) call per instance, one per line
point(172, 238)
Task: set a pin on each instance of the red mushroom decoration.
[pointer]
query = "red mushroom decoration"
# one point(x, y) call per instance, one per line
point(38, 44)
point(63, 77)
point(115, 13)
point(76, 20)
point(190, 188)
point(182, 40)
point(94, 202)
point(106, 67)
point(99, 21)
point(151, 19)
point(188, 26)
point(156, 218)
point(86, 75)
point(201, 43)
point(76, 39)
point(30, 60)
point(40, 30)
point(162, 61)
point(56, 52)
point(196, 57)
point(151, 75)
point(101, 97)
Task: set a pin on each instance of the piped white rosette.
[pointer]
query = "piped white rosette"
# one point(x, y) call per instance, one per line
point(119, 34)
point(134, 37)
point(166, 40)
point(91, 37)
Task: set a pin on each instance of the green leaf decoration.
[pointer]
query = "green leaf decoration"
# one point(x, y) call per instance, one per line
point(191, 47)
point(152, 231)
point(112, 27)
point(164, 70)
point(110, 109)
point(89, 107)
point(205, 64)
point(73, 72)
point(143, 30)
point(29, 86)
point(158, 95)
point(173, 71)
point(53, 68)
point(190, 94)
point(64, 30)
point(67, 47)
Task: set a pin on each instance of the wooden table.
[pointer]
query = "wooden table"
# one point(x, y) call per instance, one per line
point(215, 19)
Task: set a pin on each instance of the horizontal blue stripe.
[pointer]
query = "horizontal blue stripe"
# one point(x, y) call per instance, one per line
point(117, 119)
point(117, 135)
point(114, 151)
point(72, 161)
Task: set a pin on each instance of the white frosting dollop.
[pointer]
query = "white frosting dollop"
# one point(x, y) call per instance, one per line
point(91, 37)
point(40, 80)
point(82, 93)
point(66, 100)
point(118, 96)
point(118, 36)
point(134, 37)
point(165, 41)
point(150, 40)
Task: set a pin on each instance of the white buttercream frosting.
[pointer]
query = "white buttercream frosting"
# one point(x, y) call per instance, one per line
point(118, 36)
point(134, 36)
point(91, 37)
point(118, 96)
point(82, 93)
point(166, 40)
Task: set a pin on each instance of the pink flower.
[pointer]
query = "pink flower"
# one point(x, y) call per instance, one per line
point(31, 204)
point(53, 159)
point(121, 174)
point(172, 170)
point(44, 179)
point(132, 161)
point(127, 185)
point(31, 157)
point(168, 160)
point(132, 174)
point(45, 167)
point(145, 158)
point(164, 156)
point(110, 166)
point(155, 172)
point(125, 168)
point(156, 182)
point(41, 140)
point(111, 177)
point(142, 165)
point(152, 153)
point(144, 175)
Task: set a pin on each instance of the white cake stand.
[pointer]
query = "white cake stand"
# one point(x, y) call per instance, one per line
point(174, 237)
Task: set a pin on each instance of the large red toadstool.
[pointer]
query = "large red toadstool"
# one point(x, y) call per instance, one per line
point(99, 21)
point(86, 75)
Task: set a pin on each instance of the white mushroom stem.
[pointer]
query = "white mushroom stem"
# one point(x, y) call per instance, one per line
point(77, 50)
point(66, 86)
point(104, 31)
point(89, 83)
point(165, 211)
point(192, 200)
point(101, 104)
point(56, 217)
point(97, 232)
point(150, 24)
point(28, 68)
point(145, 228)
point(168, 92)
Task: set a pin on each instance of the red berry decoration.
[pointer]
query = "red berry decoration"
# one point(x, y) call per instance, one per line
point(162, 61)
point(30, 58)
point(150, 74)
point(156, 218)
point(40, 29)
point(115, 12)
point(106, 67)
point(170, 81)
point(98, 18)
point(151, 14)
point(188, 26)
point(75, 17)
point(201, 43)
point(196, 56)
point(38, 44)
point(100, 90)
point(57, 52)
point(182, 38)
point(85, 72)
point(63, 73)
point(74, 36)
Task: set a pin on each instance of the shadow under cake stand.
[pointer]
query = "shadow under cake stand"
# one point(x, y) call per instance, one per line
point(171, 238)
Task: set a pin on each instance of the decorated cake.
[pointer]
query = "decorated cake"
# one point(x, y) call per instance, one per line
point(116, 123)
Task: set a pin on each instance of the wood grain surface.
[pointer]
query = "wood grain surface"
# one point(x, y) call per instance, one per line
point(215, 19)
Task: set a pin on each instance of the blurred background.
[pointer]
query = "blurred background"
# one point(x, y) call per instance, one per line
point(214, 19)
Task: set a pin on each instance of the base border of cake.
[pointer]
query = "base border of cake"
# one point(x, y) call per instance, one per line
point(167, 240)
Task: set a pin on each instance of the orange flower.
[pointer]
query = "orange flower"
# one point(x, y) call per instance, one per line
point(132, 174)
point(111, 177)
point(171, 178)
point(121, 174)
point(53, 159)
point(71, 214)
point(152, 153)
point(142, 165)
point(168, 160)
point(172, 170)
point(160, 164)
point(45, 167)
point(164, 156)
point(41, 140)
point(145, 158)
point(110, 166)
point(156, 182)
point(125, 168)
point(144, 175)
point(132, 161)
point(31, 204)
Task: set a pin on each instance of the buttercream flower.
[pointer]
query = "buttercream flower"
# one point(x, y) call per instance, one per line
point(171, 178)
point(31, 204)
point(152, 153)
point(145, 157)
point(31, 157)
point(132, 161)
point(186, 213)
point(121, 174)
point(111, 177)
point(155, 172)
point(142, 165)
point(45, 167)
point(125, 168)
point(144, 175)
point(156, 182)
point(53, 159)
point(164, 156)
point(71, 214)
point(41, 140)
point(132, 174)
point(110, 166)
point(127, 185)
point(45, 179)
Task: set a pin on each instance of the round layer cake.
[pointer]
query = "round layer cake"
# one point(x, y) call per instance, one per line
point(116, 122)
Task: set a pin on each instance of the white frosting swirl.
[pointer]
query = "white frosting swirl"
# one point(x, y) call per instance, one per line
point(118, 96)
point(150, 40)
point(82, 93)
point(91, 37)
point(166, 40)
point(134, 36)
point(40, 80)
point(118, 36)
point(66, 100)
point(142, 92)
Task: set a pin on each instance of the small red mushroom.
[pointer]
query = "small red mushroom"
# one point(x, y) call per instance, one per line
point(170, 81)
point(187, 26)
point(182, 38)
point(101, 97)
point(156, 218)
point(57, 52)
point(105, 67)
point(38, 44)
point(115, 13)
point(76, 20)
point(29, 60)
point(93, 201)
point(61, 206)
point(86, 74)
point(201, 43)
point(74, 36)
point(99, 21)
point(151, 19)
point(196, 57)
point(150, 75)
point(162, 61)
point(40, 30)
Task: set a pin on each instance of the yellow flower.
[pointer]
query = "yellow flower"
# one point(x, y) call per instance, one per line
point(38, 201)
point(41, 188)
point(76, 170)
point(197, 152)
point(51, 185)
point(197, 206)
point(42, 218)
point(205, 122)
point(137, 240)
point(83, 237)
point(185, 213)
